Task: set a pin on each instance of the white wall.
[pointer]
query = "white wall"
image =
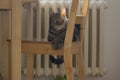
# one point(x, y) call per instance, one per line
point(111, 42)
point(112, 39)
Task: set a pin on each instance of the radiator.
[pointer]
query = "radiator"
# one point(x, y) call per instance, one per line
point(37, 29)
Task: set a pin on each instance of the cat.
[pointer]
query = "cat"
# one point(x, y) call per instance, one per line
point(57, 30)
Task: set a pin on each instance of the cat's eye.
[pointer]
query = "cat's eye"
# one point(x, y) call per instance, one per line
point(58, 22)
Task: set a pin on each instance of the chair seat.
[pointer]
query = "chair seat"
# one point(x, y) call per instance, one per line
point(40, 47)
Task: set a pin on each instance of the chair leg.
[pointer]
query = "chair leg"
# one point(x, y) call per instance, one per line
point(5, 56)
point(68, 66)
point(80, 66)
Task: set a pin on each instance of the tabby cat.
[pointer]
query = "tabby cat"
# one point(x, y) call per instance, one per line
point(57, 29)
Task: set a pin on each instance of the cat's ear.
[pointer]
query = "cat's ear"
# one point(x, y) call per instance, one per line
point(51, 12)
point(63, 12)
point(58, 11)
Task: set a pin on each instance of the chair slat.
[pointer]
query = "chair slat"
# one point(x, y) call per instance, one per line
point(85, 7)
point(37, 47)
point(79, 19)
point(5, 4)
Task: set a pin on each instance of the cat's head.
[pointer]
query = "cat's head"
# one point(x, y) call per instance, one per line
point(57, 19)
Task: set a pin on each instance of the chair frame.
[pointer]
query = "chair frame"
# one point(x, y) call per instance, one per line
point(32, 47)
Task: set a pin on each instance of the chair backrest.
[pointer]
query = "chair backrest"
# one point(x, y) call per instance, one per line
point(72, 18)
point(70, 27)
point(84, 15)
point(85, 8)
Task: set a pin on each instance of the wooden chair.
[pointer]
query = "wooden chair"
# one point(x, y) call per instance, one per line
point(33, 47)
